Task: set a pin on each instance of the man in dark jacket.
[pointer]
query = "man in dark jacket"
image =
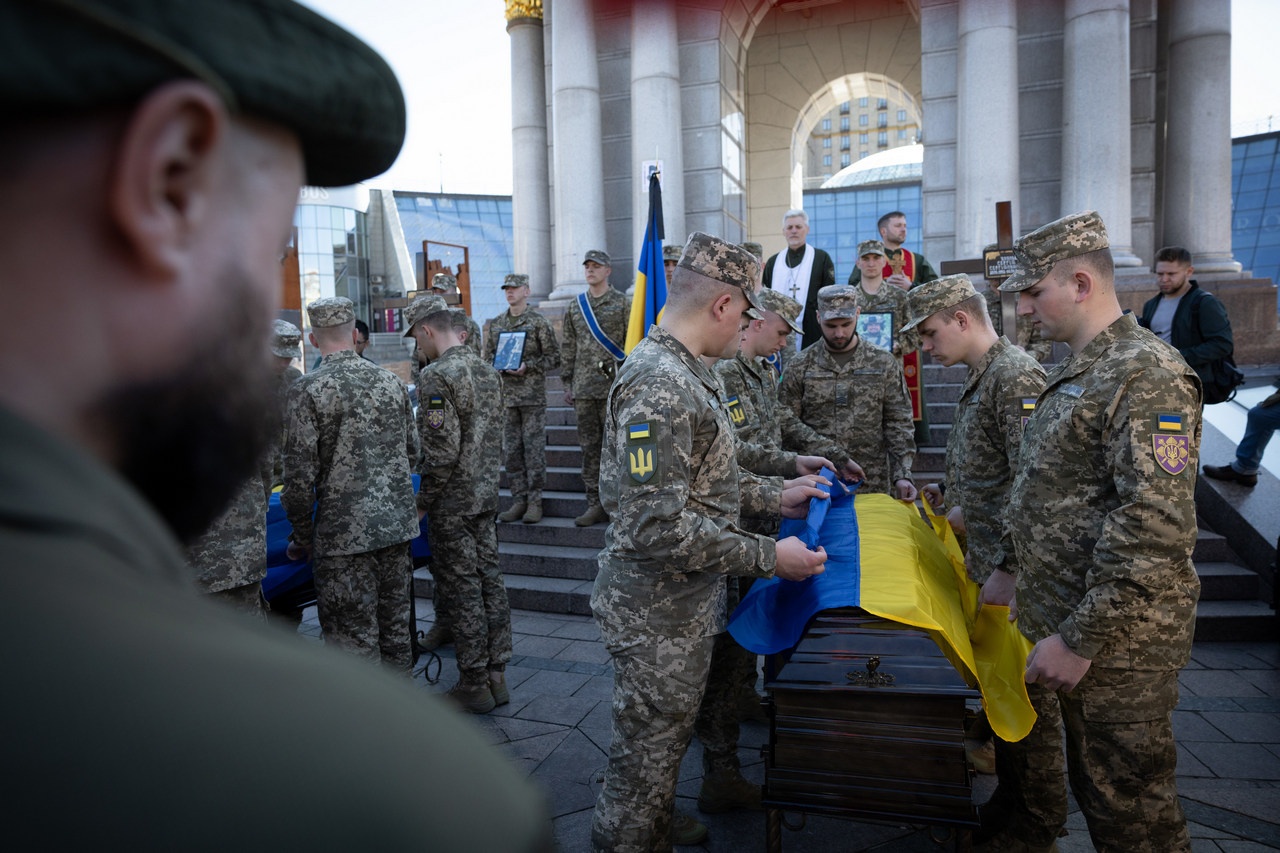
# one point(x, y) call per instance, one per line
point(1191, 319)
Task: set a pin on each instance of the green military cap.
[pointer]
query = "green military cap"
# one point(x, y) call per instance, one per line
point(285, 338)
point(1037, 252)
point(784, 306)
point(837, 300)
point(871, 247)
point(420, 308)
point(274, 60)
point(331, 311)
point(444, 281)
point(724, 262)
point(671, 253)
point(515, 279)
point(754, 248)
point(600, 256)
point(928, 299)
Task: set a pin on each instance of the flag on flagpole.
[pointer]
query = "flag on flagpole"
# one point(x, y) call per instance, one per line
point(651, 277)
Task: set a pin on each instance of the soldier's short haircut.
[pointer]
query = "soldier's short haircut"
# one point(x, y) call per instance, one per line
point(690, 290)
point(794, 213)
point(340, 334)
point(448, 318)
point(884, 220)
point(1173, 255)
point(975, 306)
point(1099, 262)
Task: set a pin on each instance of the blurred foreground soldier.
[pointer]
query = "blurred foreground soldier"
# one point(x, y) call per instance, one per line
point(998, 396)
point(461, 425)
point(671, 483)
point(184, 129)
point(347, 491)
point(445, 285)
point(1103, 520)
point(595, 329)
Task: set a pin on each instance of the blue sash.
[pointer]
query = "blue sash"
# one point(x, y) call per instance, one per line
point(775, 361)
point(596, 332)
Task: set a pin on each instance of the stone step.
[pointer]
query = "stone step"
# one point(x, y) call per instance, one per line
point(553, 531)
point(564, 456)
point(1227, 582)
point(527, 592)
point(559, 504)
point(1212, 547)
point(559, 479)
point(1235, 621)
point(548, 561)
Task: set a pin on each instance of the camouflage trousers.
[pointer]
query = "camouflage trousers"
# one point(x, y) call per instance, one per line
point(590, 417)
point(1032, 790)
point(524, 438)
point(1121, 759)
point(245, 599)
point(657, 689)
point(464, 562)
point(363, 603)
point(718, 723)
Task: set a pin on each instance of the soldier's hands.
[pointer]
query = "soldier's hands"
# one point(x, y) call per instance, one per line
point(899, 280)
point(905, 490)
point(956, 518)
point(1013, 607)
point(812, 464)
point(796, 562)
point(796, 494)
point(998, 589)
point(568, 396)
point(1054, 665)
point(852, 472)
point(932, 495)
point(519, 372)
point(297, 552)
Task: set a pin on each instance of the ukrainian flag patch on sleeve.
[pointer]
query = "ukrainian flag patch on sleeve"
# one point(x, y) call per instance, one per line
point(642, 452)
point(1169, 423)
point(736, 412)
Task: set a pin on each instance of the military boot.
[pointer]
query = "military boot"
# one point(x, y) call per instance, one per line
point(474, 697)
point(594, 514)
point(685, 830)
point(498, 687)
point(725, 791)
point(533, 512)
point(439, 635)
point(515, 512)
point(750, 709)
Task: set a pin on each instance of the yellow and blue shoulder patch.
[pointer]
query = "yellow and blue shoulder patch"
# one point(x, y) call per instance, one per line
point(642, 452)
point(1170, 443)
point(434, 415)
point(1024, 407)
point(737, 413)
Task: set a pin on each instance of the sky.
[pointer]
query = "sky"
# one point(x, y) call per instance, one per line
point(454, 61)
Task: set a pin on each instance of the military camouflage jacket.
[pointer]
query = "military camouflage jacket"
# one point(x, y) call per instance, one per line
point(982, 451)
point(861, 404)
point(475, 338)
point(1102, 508)
point(586, 367)
point(350, 441)
point(273, 466)
point(541, 356)
point(233, 551)
point(1026, 333)
point(669, 479)
point(460, 417)
point(890, 298)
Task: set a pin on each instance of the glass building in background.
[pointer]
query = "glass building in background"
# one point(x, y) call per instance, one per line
point(1255, 204)
point(333, 245)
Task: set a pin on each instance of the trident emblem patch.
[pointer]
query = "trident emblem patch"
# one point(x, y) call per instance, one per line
point(640, 449)
point(735, 410)
point(1172, 452)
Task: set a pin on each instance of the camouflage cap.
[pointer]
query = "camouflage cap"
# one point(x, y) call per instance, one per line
point(285, 338)
point(784, 306)
point(836, 301)
point(871, 247)
point(928, 299)
point(271, 59)
point(724, 262)
point(671, 253)
point(1037, 252)
point(331, 311)
point(444, 281)
point(600, 256)
point(515, 279)
point(421, 307)
point(754, 248)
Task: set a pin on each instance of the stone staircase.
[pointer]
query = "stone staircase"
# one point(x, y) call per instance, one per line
point(550, 566)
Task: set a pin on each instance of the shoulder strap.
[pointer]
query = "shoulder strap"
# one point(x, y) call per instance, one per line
point(596, 332)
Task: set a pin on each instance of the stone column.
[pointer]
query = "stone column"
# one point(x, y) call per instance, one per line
point(1096, 118)
point(987, 120)
point(1197, 165)
point(530, 191)
point(655, 116)
point(579, 168)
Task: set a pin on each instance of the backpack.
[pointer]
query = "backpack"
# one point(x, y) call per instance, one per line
point(1224, 377)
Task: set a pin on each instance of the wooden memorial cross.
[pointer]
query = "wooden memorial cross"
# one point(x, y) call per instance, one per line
point(996, 265)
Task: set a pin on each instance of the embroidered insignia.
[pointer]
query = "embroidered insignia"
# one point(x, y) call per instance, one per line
point(736, 414)
point(1028, 406)
point(1169, 422)
point(1172, 452)
point(640, 452)
point(435, 412)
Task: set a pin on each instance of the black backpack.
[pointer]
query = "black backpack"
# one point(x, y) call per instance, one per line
point(1224, 376)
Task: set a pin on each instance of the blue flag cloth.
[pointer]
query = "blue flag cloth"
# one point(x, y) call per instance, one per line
point(650, 294)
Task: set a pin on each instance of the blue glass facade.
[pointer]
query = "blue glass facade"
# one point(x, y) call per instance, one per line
point(333, 254)
point(1255, 204)
point(840, 219)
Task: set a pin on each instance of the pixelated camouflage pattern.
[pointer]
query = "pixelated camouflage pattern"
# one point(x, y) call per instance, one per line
point(862, 404)
point(444, 281)
point(1103, 533)
point(475, 338)
point(273, 464)
point(515, 279)
point(672, 252)
point(871, 247)
point(983, 450)
point(751, 246)
point(541, 356)
point(464, 561)
point(589, 414)
point(718, 722)
point(1032, 789)
point(348, 450)
point(460, 457)
point(930, 298)
point(1026, 333)
point(420, 308)
point(330, 311)
point(894, 300)
point(586, 368)
point(363, 603)
point(600, 256)
point(837, 300)
point(233, 551)
point(524, 443)
point(724, 262)
point(285, 338)
point(1038, 251)
point(784, 306)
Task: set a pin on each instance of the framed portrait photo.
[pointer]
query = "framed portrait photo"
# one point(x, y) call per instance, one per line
point(877, 329)
point(510, 352)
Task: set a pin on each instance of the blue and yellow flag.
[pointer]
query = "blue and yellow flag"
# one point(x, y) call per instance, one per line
point(651, 278)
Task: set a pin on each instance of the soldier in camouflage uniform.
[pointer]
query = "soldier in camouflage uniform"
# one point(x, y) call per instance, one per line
point(285, 340)
point(587, 368)
point(1026, 334)
point(461, 400)
point(670, 480)
point(670, 257)
point(855, 394)
point(524, 398)
point(1103, 518)
point(230, 558)
point(347, 455)
point(999, 394)
point(875, 298)
point(445, 285)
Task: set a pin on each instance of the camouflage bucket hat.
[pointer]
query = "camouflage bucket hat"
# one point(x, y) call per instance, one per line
point(671, 253)
point(285, 338)
point(754, 248)
point(331, 311)
point(515, 279)
point(724, 262)
point(871, 247)
point(444, 281)
point(421, 307)
point(784, 306)
point(836, 301)
point(1037, 252)
point(600, 256)
point(934, 296)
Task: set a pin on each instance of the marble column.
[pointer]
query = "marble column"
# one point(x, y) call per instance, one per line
point(1197, 164)
point(655, 116)
point(1096, 119)
point(987, 120)
point(578, 163)
point(531, 185)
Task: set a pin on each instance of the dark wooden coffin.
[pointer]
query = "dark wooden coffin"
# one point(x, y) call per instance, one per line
point(871, 750)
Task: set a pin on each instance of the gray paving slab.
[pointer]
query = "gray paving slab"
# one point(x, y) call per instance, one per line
point(1245, 727)
point(1237, 760)
point(1216, 683)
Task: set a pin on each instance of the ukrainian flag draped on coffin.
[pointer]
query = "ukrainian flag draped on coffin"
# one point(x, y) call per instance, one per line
point(651, 278)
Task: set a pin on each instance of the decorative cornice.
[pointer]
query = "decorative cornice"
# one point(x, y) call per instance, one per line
point(524, 9)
